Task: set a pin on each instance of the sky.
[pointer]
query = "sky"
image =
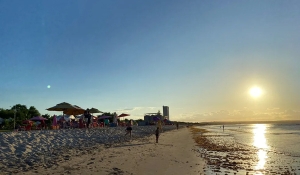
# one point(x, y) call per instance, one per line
point(200, 58)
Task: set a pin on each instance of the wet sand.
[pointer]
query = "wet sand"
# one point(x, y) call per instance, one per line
point(225, 156)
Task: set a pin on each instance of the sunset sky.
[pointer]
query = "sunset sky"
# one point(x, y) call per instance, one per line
point(200, 58)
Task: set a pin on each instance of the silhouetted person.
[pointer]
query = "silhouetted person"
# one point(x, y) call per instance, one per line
point(157, 134)
point(128, 130)
point(88, 116)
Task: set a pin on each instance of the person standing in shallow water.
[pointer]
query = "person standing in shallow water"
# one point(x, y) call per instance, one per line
point(157, 134)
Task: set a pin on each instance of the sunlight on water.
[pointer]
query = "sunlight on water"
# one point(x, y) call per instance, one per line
point(260, 142)
point(262, 155)
point(259, 136)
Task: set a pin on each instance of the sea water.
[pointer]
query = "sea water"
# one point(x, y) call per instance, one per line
point(272, 148)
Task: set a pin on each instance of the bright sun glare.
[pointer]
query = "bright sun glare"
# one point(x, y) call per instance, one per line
point(255, 92)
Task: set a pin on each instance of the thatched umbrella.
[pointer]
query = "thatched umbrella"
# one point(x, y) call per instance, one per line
point(62, 107)
point(67, 108)
point(74, 111)
point(94, 110)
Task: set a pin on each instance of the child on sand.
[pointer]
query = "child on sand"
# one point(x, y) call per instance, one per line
point(157, 134)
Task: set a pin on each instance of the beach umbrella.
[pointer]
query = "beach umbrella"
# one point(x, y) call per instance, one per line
point(54, 122)
point(78, 106)
point(123, 115)
point(38, 118)
point(94, 110)
point(61, 107)
point(67, 108)
point(74, 111)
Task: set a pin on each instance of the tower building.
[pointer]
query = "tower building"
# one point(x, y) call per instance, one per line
point(166, 112)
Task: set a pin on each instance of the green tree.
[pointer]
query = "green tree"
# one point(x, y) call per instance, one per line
point(6, 113)
point(8, 124)
point(21, 113)
point(33, 112)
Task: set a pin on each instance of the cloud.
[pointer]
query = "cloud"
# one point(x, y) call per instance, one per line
point(138, 112)
point(244, 114)
point(137, 108)
point(292, 114)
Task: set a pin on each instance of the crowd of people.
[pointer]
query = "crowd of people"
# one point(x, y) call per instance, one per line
point(86, 121)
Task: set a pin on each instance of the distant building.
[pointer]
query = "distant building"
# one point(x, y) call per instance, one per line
point(166, 112)
point(152, 117)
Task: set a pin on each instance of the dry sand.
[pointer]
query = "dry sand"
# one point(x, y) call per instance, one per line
point(174, 154)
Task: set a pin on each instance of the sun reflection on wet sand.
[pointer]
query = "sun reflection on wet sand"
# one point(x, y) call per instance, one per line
point(260, 142)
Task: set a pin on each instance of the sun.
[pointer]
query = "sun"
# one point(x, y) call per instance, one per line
point(255, 92)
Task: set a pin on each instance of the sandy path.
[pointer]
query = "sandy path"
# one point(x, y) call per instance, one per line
point(172, 155)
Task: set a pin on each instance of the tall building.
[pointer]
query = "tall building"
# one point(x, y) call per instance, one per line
point(166, 112)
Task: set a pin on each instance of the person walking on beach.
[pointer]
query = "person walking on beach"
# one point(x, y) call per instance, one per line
point(159, 125)
point(177, 125)
point(128, 130)
point(88, 116)
point(157, 134)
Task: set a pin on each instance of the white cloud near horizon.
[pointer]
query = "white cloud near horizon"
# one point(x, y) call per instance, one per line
point(271, 114)
point(137, 109)
point(138, 112)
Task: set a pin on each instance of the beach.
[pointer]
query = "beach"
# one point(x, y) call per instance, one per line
point(104, 151)
point(238, 149)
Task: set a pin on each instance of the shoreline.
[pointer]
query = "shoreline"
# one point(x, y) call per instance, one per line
point(174, 154)
point(226, 154)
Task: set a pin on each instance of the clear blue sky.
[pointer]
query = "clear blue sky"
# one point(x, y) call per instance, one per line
point(200, 58)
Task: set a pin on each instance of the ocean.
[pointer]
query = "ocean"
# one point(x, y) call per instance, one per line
point(260, 148)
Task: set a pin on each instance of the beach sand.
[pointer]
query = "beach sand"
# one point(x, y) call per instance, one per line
point(174, 154)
